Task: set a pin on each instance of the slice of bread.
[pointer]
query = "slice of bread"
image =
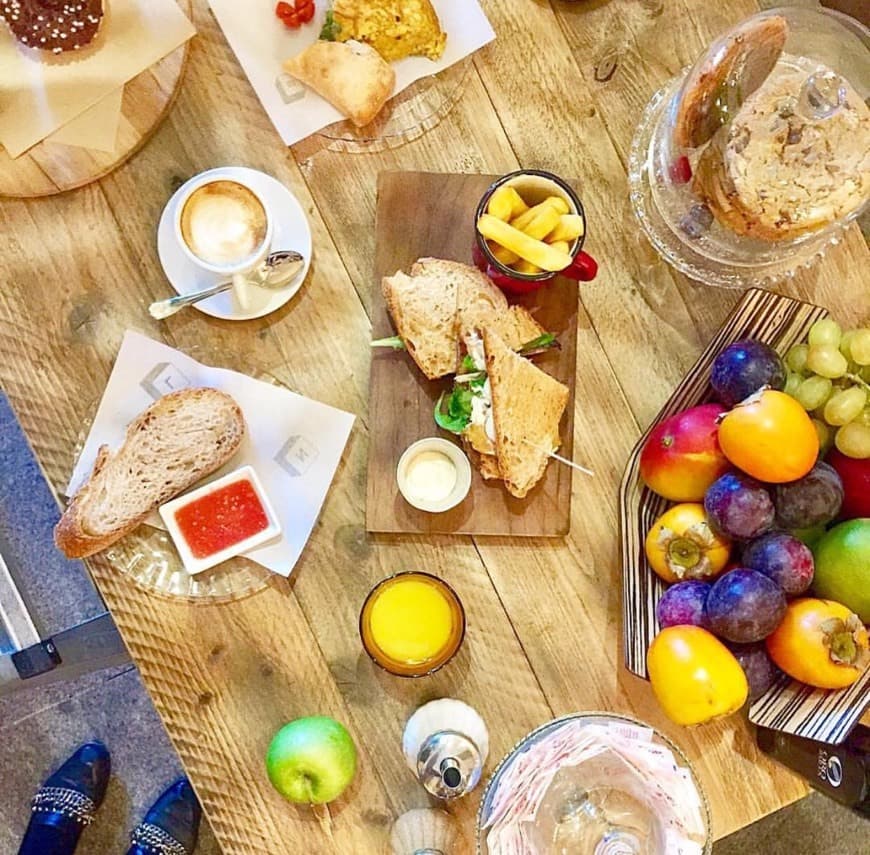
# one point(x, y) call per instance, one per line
point(527, 406)
point(423, 308)
point(480, 303)
point(516, 327)
point(178, 440)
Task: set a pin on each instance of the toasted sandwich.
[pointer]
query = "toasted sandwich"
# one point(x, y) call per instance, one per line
point(527, 406)
point(506, 410)
point(436, 307)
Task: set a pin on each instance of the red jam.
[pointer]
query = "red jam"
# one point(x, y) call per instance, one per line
point(221, 519)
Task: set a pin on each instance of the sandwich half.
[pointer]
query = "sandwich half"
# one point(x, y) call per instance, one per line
point(505, 410)
point(527, 406)
point(436, 308)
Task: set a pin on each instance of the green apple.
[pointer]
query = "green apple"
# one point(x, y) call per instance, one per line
point(311, 760)
point(843, 566)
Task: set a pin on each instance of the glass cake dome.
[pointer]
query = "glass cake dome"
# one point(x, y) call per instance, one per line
point(746, 168)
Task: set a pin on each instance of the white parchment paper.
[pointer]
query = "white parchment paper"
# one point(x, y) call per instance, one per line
point(261, 43)
point(295, 444)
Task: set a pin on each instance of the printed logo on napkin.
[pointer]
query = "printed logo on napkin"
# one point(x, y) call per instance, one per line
point(293, 443)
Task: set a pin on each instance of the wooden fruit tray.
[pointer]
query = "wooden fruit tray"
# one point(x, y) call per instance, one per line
point(788, 705)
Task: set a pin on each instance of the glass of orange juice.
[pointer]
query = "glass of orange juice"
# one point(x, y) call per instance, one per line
point(412, 624)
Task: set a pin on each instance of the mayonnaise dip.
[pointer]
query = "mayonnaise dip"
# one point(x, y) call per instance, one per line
point(430, 476)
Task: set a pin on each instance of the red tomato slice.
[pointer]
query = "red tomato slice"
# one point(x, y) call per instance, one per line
point(282, 10)
point(306, 13)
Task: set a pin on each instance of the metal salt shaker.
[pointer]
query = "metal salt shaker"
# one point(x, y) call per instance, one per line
point(446, 744)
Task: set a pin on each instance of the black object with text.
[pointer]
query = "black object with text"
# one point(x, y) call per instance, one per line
point(839, 771)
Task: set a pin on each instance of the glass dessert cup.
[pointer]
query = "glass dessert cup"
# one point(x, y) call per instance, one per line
point(602, 805)
point(713, 222)
point(411, 624)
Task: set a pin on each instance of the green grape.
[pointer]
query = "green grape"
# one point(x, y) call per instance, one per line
point(844, 406)
point(863, 418)
point(813, 392)
point(846, 344)
point(796, 358)
point(825, 434)
point(826, 361)
point(859, 347)
point(791, 383)
point(825, 331)
point(853, 440)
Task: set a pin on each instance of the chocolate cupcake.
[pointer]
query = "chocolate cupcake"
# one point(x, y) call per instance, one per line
point(57, 26)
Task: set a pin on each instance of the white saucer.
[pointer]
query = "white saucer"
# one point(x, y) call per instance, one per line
point(291, 232)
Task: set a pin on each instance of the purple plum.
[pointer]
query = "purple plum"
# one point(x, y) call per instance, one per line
point(744, 606)
point(813, 500)
point(683, 603)
point(760, 671)
point(743, 368)
point(782, 558)
point(739, 506)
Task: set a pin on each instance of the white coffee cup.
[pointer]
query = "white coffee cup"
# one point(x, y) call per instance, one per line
point(223, 225)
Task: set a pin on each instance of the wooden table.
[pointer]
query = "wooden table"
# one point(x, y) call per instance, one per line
point(544, 626)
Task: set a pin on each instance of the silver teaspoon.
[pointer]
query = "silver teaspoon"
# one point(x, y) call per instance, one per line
point(277, 271)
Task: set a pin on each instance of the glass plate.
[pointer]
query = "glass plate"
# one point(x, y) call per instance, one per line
point(590, 717)
point(149, 559)
point(406, 117)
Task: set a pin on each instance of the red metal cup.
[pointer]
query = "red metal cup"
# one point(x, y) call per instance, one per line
point(583, 266)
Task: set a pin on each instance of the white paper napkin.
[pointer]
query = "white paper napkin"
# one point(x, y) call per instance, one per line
point(293, 443)
point(261, 43)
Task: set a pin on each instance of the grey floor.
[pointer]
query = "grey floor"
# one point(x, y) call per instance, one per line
point(40, 727)
point(813, 826)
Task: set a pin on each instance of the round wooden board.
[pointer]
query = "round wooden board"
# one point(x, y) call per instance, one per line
point(49, 168)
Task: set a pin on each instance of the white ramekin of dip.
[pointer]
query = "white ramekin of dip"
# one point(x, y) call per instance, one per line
point(434, 475)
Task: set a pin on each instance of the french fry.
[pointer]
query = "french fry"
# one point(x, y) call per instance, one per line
point(505, 256)
point(543, 223)
point(524, 219)
point(505, 203)
point(562, 246)
point(570, 227)
point(523, 266)
point(535, 251)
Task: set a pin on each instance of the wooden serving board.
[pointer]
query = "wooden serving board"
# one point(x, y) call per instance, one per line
point(788, 705)
point(426, 214)
point(50, 167)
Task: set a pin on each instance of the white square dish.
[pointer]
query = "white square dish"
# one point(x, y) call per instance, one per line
point(194, 564)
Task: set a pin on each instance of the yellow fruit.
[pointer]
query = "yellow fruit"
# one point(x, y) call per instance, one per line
point(681, 545)
point(695, 677)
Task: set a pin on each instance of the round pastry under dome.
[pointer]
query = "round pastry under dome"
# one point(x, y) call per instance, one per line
point(750, 165)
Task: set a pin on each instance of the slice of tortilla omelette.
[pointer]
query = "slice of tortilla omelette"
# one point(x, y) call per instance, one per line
point(394, 28)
